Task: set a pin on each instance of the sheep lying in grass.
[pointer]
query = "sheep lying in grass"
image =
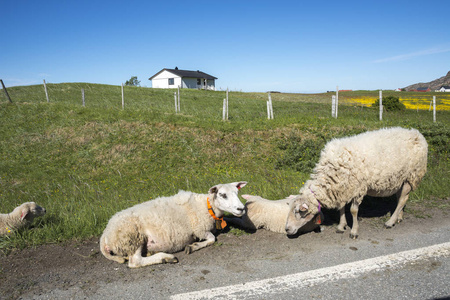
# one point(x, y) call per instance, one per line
point(169, 224)
point(270, 215)
point(376, 163)
point(20, 217)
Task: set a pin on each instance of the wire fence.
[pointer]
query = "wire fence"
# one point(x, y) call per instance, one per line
point(95, 95)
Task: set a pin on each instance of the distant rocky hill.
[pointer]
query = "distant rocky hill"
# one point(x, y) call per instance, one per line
point(433, 85)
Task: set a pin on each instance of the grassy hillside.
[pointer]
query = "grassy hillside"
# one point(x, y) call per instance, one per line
point(83, 164)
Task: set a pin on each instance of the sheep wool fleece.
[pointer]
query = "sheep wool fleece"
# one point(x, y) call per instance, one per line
point(166, 224)
point(375, 163)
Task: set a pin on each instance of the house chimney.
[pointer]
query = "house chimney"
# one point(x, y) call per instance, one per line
point(176, 68)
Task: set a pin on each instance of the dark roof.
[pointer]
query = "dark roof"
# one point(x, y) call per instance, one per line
point(447, 87)
point(186, 73)
point(422, 89)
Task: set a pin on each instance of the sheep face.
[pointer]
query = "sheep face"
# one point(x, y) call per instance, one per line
point(301, 212)
point(226, 197)
point(30, 210)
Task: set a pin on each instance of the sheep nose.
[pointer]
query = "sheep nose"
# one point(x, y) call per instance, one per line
point(241, 209)
point(288, 230)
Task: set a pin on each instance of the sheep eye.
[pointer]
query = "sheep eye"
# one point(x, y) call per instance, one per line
point(224, 196)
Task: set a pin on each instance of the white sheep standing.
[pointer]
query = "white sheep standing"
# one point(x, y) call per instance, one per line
point(169, 224)
point(270, 215)
point(377, 163)
point(20, 217)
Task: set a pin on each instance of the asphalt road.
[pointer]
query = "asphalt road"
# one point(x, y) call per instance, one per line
point(411, 273)
point(400, 264)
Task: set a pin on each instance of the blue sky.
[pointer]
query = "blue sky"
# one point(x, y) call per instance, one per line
point(287, 46)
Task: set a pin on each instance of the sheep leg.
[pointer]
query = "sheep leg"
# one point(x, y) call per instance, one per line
point(354, 211)
point(342, 221)
point(402, 196)
point(209, 240)
point(137, 260)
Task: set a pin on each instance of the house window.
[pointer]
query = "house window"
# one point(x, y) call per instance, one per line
point(171, 81)
point(199, 81)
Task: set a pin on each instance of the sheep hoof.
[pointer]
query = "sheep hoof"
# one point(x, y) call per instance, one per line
point(170, 260)
point(353, 236)
point(387, 226)
point(339, 231)
point(188, 250)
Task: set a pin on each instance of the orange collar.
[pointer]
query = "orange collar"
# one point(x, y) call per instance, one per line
point(223, 224)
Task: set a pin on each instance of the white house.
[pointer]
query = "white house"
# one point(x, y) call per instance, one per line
point(172, 78)
point(444, 88)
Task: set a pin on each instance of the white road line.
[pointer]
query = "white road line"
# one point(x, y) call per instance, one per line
point(309, 278)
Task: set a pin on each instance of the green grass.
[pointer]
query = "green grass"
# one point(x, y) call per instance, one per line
point(83, 164)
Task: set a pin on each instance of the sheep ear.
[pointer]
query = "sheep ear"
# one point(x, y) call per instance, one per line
point(23, 215)
point(304, 207)
point(319, 218)
point(246, 197)
point(213, 190)
point(241, 184)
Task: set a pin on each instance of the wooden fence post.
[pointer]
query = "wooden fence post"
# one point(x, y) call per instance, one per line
point(6, 92)
point(179, 99)
point(224, 109)
point(46, 92)
point(434, 109)
point(123, 99)
point(176, 101)
point(82, 97)
point(227, 104)
point(270, 107)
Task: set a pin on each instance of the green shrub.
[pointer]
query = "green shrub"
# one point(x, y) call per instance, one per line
point(438, 138)
point(298, 154)
point(390, 103)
